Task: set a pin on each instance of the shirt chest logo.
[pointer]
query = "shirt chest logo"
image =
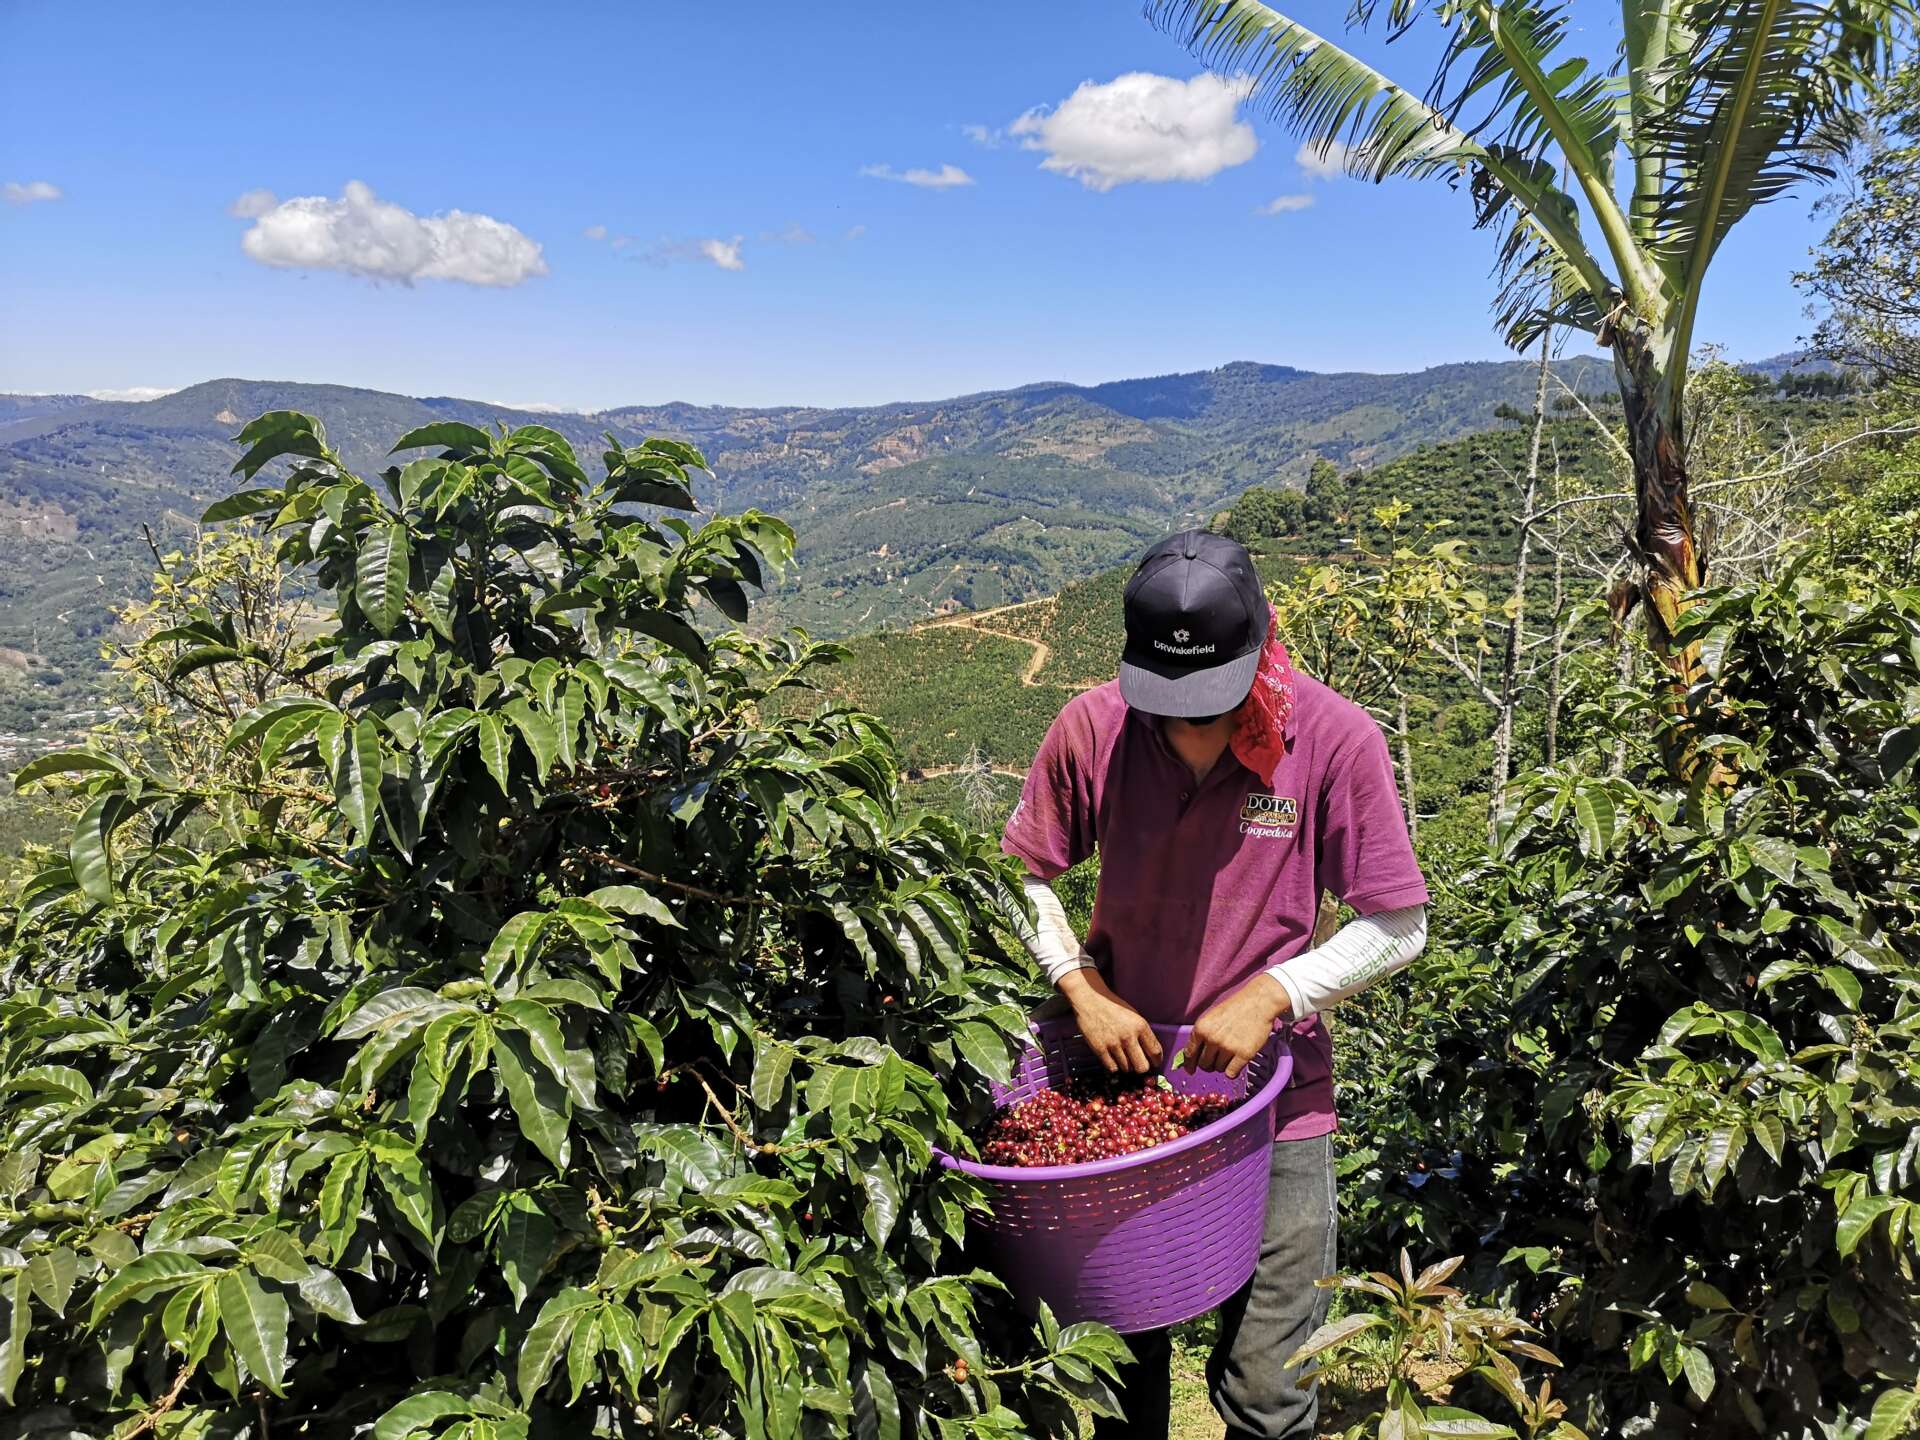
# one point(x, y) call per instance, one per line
point(1269, 817)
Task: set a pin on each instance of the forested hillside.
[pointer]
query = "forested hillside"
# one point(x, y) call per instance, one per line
point(980, 664)
point(906, 509)
point(15, 409)
point(971, 694)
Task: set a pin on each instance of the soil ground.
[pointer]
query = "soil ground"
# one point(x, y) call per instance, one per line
point(1193, 1414)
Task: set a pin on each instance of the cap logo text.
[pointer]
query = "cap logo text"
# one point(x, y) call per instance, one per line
point(1163, 646)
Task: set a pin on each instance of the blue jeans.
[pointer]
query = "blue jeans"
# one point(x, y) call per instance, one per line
point(1247, 1377)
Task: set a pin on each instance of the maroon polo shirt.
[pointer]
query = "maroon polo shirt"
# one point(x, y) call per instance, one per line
point(1204, 886)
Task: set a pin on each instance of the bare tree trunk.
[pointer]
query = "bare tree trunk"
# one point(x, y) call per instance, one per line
point(1479, 652)
point(1517, 602)
point(1623, 668)
point(1557, 665)
point(1663, 537)
point(1407, 793)
point(1327, 920)
point(976, 787)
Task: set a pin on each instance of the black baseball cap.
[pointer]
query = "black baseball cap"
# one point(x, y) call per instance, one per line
point(1196, 622)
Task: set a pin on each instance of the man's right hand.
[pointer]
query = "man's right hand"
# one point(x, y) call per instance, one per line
point(1112, 1028)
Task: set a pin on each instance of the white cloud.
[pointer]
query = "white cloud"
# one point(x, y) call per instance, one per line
point(985, 135)
point(1142, 127)
point(595, 232)
point(1285, 205)
point(1329, 163)
point(133, 392)
point(724, 253)
point(31, 192)
point(253, 204)
point(795, 234)
point(361, 234)
point(855, 232)
point(945, 178)
point(714, 251)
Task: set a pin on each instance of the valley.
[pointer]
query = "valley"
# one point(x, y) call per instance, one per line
point(905, 511)
point(977, 589)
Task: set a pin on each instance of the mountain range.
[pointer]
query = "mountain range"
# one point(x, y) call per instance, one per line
point(903, 510)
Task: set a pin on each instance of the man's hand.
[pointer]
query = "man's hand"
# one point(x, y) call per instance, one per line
point(1113, 1029)
point(1233, 1031)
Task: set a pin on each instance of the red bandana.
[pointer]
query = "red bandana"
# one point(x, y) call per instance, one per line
point(1260, 724)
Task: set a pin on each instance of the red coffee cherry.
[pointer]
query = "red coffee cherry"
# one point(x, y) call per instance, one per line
point(1095, 1120)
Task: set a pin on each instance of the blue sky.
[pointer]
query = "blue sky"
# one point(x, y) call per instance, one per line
point(746, 258)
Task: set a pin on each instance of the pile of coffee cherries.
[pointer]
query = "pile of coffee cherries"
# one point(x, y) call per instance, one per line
point(1097, 1119)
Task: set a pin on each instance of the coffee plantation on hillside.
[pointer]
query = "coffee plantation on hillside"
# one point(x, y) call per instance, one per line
point(579, 1072)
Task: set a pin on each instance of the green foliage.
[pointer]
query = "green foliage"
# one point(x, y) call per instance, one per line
point(1693, 1135)
point(1459, 483)
point(1325, 496)
point(171, 705)
point(942, 691)
point(579, 1074)
point(1081, 628)
point(1877, 525)
point(1365, 625)
point(1819, 384)
point(1866, 273)
point(1262, 513)
point(1402, 1324)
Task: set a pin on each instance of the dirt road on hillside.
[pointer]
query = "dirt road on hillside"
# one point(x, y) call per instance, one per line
point(970, 620)
point(934, 772)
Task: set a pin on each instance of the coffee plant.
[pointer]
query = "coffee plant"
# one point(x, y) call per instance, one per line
point(1422, 1339)
point(580, 1071)
point(1692, 1132)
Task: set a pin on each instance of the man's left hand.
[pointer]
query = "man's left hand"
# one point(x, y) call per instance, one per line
point(1233, 1031)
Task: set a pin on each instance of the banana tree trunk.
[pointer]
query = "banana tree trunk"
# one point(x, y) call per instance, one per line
point(1663, 539)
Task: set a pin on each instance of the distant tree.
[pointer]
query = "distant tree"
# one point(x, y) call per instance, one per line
point(1712, 107)
point(979, 799)
point(1866, 273)
point(1817, 384)
point(1264, 512)
point(1368, 623)
point(1326, 493)
point(1542, 515)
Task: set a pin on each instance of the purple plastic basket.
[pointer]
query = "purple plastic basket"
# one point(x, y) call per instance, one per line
point(1146, 1240)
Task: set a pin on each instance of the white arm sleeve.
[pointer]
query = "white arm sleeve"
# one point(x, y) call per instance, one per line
point(1052, 942)
point(1360, 952)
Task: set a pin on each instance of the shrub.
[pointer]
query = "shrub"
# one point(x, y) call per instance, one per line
point(1698, 1129)
point(580, 1074)
point(1417, 1338)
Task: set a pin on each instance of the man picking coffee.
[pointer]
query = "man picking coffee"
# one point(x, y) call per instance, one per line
point(1223, 791)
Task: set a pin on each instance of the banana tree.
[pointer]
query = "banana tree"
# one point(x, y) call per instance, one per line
point(1611, 185)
